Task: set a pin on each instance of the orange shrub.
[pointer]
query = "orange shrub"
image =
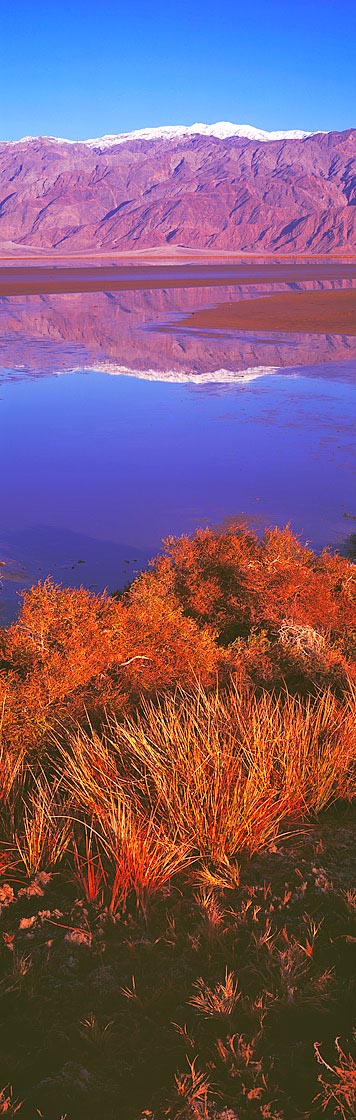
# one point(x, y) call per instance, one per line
point(234, 582)
point(267, 611)
point(247, 589)
point(73, 654)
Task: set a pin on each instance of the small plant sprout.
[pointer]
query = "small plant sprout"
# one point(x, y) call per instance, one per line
point(192, 1090)
point(218, 1001)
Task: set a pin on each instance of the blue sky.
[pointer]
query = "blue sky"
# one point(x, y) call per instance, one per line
point(77, 69)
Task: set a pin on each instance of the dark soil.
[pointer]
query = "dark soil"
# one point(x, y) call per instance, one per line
point(96, 1018)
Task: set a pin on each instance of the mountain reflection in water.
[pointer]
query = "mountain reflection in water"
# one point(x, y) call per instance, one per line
point(116, 332)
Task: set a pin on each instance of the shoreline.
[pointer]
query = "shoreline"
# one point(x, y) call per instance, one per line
point(93, 274)
point(13, 256)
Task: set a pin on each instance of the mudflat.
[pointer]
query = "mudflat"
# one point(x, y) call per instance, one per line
point(52, 278)
point(315, 312)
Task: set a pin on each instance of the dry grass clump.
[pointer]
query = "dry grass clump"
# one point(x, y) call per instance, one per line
point(189, 783)
point(11, 763)
point(192, 1093)
point(205, 776)
point(8, 1104)
point(220, 1000)
point(144, 857)
point(338, 1082)
point(152, 973)
point(45, 826)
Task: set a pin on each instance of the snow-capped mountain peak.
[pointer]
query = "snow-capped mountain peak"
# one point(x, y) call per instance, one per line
point(223, 130)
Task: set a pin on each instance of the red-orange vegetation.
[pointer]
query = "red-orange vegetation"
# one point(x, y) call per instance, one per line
point(73, 654)
point(148, 742)
point(178, 649)
point(232, 580)
point(268, 612)
point(246, 589)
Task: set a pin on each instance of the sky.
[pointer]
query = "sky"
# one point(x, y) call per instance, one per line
point(81, 69)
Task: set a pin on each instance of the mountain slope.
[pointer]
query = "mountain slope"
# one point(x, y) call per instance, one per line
point(228, 193)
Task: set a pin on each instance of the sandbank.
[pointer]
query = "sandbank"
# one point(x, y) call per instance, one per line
point(313, 312)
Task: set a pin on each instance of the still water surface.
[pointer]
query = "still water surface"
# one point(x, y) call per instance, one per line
point(115, 434)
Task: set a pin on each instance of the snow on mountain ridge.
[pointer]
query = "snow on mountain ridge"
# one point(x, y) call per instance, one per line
point(222, 130)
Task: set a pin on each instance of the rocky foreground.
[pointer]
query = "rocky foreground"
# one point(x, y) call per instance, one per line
point(177, 840)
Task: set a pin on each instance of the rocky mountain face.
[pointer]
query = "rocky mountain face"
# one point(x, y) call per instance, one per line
point(201, 191)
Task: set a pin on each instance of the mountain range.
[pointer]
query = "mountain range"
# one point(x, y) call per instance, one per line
point(223, 188)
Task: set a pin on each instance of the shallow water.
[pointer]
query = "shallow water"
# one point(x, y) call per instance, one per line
point(187, 431)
